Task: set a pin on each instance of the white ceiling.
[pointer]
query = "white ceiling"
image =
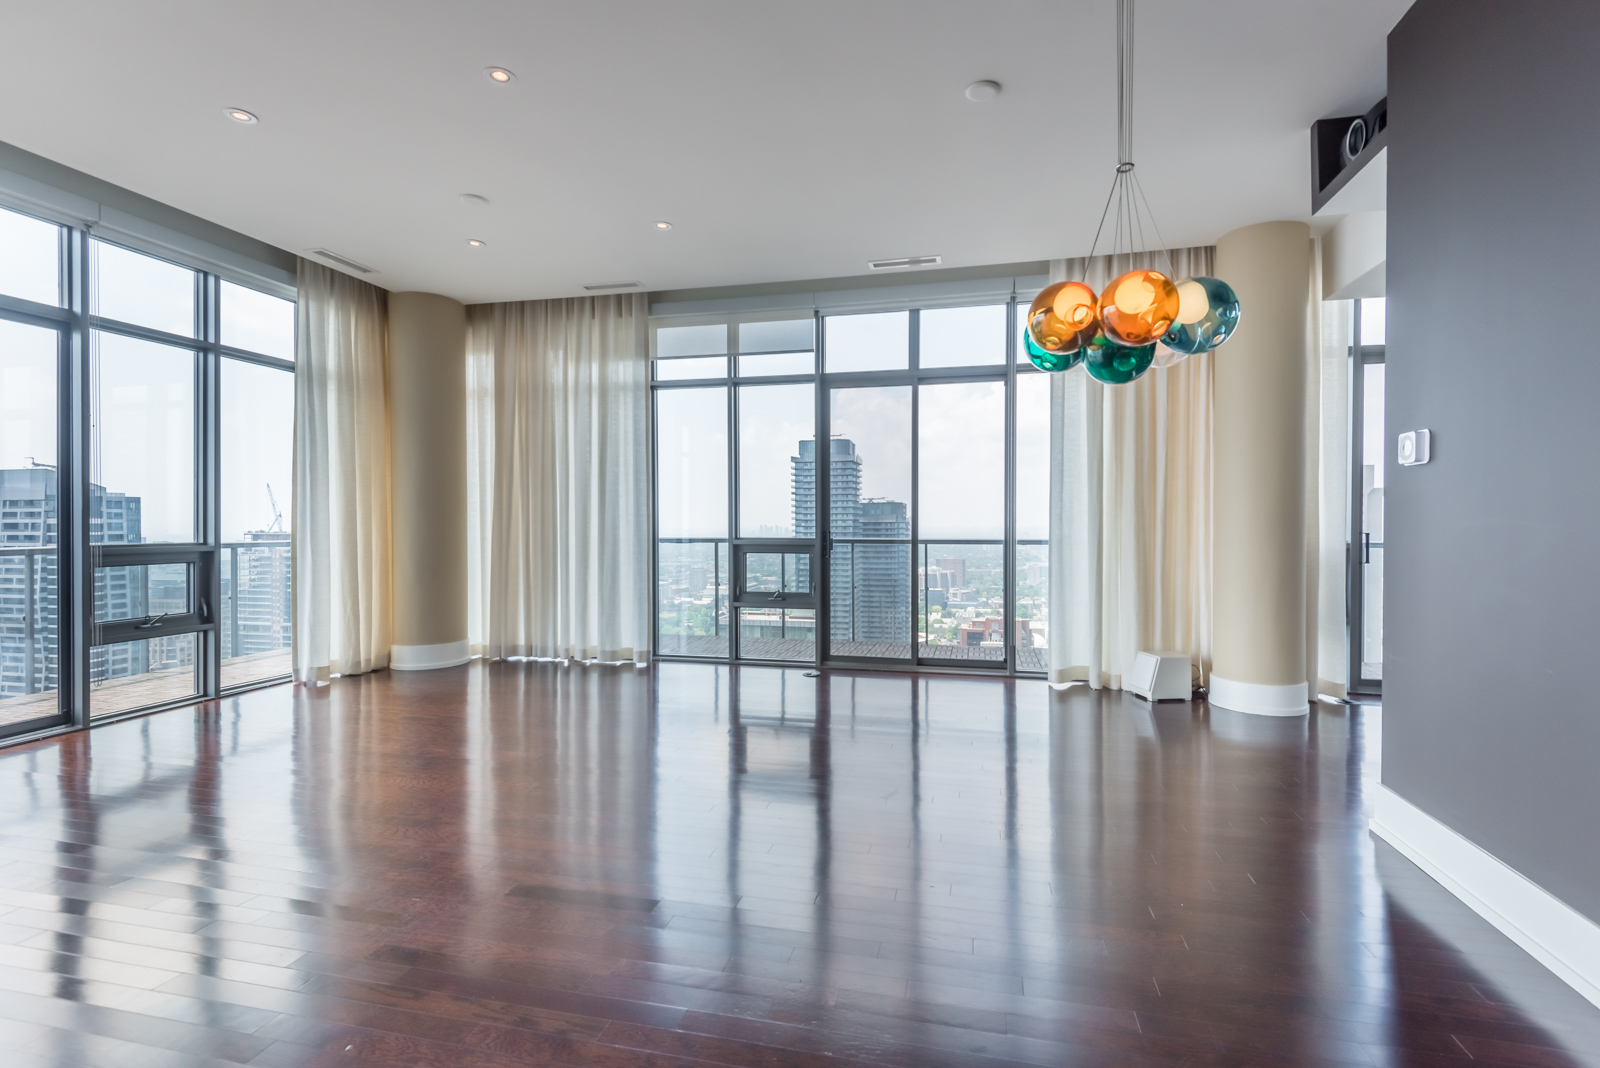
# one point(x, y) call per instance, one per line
point(783, 141)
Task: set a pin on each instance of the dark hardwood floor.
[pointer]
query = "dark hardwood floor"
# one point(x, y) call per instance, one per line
point(517, 864)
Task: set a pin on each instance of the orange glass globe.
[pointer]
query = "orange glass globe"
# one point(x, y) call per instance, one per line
point(1063, 317)
point(1139, 307)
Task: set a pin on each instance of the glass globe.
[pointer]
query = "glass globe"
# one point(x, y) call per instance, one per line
point(1208, 314)
point(1063, 317)
point(1139, 307)
point(1114, 363)
point(1046, 360)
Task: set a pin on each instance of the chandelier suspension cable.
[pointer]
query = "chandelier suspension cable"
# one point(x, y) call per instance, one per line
point(1126, 189)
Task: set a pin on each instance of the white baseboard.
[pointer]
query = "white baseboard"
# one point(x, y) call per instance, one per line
point(428, 657)
point(1553, 933)
point(1258, 699)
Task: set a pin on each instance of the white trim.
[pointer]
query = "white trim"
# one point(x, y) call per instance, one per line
point(1257, 698)
point(1554, 933)
point(428, 657)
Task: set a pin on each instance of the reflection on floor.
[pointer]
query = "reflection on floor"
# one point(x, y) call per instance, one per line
point(530, 863)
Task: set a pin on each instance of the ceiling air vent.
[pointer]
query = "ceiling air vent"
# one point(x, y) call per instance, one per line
point(612, 285)
point(334, 257)
point(906, 261)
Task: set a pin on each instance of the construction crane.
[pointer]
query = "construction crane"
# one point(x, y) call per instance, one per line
point(277, 516)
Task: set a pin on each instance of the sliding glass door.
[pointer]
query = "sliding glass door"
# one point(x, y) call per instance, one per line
point(858, 501)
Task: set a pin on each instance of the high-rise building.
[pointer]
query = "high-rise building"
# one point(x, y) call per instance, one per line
point(869, 585)
point(28, 568)
point(257, 609)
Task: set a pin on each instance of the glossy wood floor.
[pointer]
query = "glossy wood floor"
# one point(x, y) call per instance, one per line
point(518, 864)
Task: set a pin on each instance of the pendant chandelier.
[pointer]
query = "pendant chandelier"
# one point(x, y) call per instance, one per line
point(1114, 334)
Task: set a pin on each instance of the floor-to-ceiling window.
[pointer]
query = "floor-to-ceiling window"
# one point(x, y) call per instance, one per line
point(146, 419)
point(916, 532)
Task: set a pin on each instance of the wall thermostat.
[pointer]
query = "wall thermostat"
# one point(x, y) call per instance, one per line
point(1414, 448)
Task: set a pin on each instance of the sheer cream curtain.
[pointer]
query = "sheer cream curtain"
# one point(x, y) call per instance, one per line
point(340, 558)
point(1130, 504)
point(558, 478)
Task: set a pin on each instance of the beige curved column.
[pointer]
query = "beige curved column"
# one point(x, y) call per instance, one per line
point(428, 470)
point(1259, 475)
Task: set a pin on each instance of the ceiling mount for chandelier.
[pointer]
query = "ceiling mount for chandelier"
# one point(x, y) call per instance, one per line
point(1114, 334)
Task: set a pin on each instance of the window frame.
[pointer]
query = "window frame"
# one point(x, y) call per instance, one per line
point(819, 546)
point(77, 556)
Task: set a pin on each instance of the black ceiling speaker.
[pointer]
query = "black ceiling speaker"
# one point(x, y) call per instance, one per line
point(1344, 144)
point(1355, 139)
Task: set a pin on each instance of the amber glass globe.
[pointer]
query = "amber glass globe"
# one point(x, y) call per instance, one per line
point(1139, 307)
point(1063, 317)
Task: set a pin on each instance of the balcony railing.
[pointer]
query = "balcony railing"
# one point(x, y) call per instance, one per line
point(254, 618)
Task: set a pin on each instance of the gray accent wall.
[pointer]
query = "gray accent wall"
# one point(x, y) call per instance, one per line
point(1492, 617)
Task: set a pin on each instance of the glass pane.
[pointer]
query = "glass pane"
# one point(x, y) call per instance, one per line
point(868, 342)
point(776, 425)
point(30, 258)
point(869, 600)
point(1033, 457)
point(692, 340)
point(692, 462)
point(257, 321)
point(692, 503)
point(777, 572)
point(256, 615)
point(28, 664)
point(1372, 615)
point(135, 288)
point(777, 634)
point(699, 367)
point(257, 445)
point(143, 442)
point(27, 522)
point(962, 595)
point(129, 675)
point(870, 462)
point(782, 336)
point(962, 337)
point(1373, 444)
point(1022, 330)
point(1033, 607)
point(692, 598)
point(779, 363)
point(137, 591)
point(1374, 320)
point(961, 431)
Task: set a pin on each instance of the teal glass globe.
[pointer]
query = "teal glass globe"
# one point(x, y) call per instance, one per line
point(1116, 364)
point(1045, 360)
point(1208, 314)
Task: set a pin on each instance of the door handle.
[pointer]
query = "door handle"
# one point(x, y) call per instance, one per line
point(1366, 547)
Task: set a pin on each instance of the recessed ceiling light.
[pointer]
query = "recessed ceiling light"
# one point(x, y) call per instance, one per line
point(499, 74)
point(474, 242)
point(474, 200)
point(978, 92)
point(240, 115)
point(663, 226)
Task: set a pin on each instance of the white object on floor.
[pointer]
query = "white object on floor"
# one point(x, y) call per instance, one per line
point(1162, 677)
point(1258, 699)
